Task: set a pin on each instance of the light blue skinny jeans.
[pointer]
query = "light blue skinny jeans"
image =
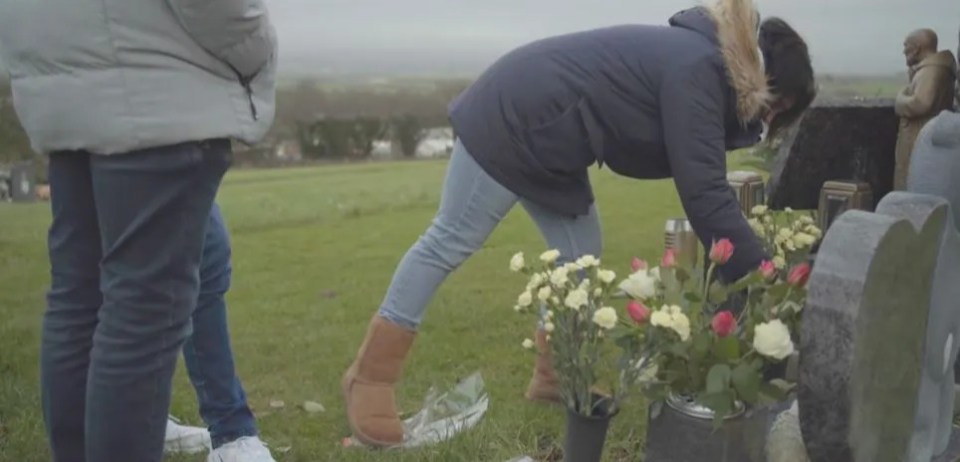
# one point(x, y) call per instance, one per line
point(471, 207)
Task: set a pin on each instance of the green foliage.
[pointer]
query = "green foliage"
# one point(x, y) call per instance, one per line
point(408, 132)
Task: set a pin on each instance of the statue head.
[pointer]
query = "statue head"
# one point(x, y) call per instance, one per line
point(790, 73)
point(918, 45)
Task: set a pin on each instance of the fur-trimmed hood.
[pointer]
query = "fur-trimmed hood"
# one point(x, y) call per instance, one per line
point(734, 29)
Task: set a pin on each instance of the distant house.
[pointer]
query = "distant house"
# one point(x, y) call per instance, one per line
point(437, 142)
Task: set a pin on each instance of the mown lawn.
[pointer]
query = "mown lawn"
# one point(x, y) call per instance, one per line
point(314, 249)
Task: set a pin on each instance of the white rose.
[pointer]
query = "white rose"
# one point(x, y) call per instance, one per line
point(517, 263)
point(528, 344)
point(639, 285)
point(605, 317)
point(544, 293)
point(772, 339)
point(588, 261)
point(654, 273)
point(759, 210)
point(525, 299)
point(549, 327)
point(577, 299)
point(550, 256)
point(559, 276)
point(661, 318)
point(680, 324)
point(606, 276)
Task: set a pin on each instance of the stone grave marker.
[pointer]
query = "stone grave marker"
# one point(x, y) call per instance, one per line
point(850, 139)
point(871, 347)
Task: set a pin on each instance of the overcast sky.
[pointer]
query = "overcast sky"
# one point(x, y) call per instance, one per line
point(848, 36)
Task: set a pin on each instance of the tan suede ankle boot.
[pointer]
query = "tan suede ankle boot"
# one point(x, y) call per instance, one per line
point(544, 385)
point(368, 384)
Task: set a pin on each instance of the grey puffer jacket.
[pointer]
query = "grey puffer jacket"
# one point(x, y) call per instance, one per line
point(112, 76)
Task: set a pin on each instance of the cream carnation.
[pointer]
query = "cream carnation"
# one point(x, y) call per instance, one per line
point(605, 317)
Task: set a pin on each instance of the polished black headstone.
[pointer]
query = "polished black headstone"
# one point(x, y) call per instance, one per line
point(850, 139)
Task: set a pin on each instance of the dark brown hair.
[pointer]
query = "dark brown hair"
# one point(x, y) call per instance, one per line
point(789, 71)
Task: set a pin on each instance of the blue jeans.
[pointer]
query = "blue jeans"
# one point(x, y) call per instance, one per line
point(471, 207)
point(207, 352)
point(125, 247)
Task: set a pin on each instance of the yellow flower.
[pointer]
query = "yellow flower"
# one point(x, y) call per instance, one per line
point(588, 261)
point(605, 317)
point(606, 276)
point(517, 263)
point(550, 256)
point(525, 299)
point(544, 293)
point(576, 299)
point(661, 318)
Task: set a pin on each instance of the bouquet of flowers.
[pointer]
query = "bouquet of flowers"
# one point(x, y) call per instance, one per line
point(788, 237)
point(572, 303)
point(693, 349)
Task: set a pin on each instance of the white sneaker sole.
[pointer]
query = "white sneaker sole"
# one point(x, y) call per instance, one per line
point(187, 444)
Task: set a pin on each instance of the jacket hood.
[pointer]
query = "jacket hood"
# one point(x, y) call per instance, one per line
point(943, 58)
point(733, 25)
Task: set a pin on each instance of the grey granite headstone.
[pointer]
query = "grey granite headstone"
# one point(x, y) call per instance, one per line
point(852, 139)
point(865, 353)
point(935, 171)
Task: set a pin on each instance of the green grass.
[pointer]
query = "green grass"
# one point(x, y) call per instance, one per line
point(314, 250)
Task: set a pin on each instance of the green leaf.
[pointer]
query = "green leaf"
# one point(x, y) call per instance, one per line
point(727, 348)
point(692, 297)
point(718, 379)
point(701, 345)
point(772, 391)
point(718, 293)
point(746, 380)
point(721, 403)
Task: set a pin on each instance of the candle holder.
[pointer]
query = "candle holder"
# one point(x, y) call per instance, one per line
point(749, 189)
point(839, 196)
point(679, 236)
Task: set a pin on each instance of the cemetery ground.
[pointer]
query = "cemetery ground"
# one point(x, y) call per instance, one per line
point(314, 250)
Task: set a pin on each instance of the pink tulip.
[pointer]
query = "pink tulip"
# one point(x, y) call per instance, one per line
point(723, 324)
point(721, 251)
point(799, 275)
point(768, 270)
point(638, 312)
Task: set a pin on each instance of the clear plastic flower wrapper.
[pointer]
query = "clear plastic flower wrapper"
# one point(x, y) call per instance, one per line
point(444, 415)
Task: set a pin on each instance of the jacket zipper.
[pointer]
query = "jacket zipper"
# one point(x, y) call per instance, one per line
point(249, 91)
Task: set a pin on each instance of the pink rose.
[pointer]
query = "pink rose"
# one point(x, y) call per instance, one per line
point(637, 264)
point(721, 251)
point(723, 323)
point(638, 312)
point(799, 275)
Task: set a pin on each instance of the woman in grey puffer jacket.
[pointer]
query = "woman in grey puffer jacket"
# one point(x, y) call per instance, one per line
point(136, 102)
point(645, 101)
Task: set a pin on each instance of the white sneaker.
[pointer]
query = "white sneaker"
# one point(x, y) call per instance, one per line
point(184, 439)
point(246, 449)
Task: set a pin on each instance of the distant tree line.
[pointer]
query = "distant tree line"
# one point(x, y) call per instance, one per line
point(14, 144)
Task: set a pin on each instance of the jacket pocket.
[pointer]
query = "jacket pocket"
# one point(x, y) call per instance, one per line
point(562, 145)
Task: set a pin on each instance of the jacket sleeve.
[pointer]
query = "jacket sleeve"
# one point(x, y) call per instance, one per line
point(692, 110)
point(919, 102)
point(238, 32)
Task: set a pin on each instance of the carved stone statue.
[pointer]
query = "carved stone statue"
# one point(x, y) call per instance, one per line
point(931, 90)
